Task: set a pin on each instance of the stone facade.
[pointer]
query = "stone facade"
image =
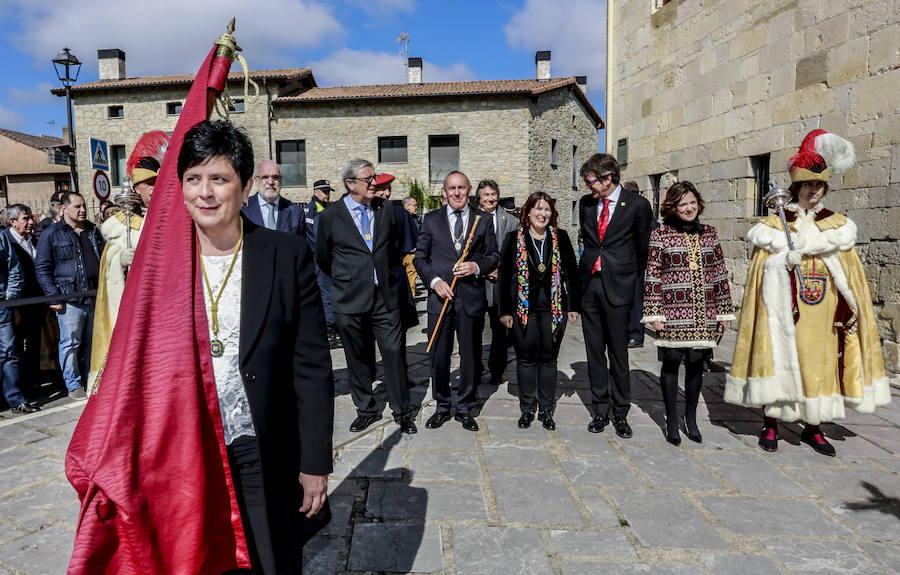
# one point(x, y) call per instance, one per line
point(712, 89)
point(26, 176)
point(504, 127)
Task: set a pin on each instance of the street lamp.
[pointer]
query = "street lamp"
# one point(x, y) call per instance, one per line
point(63, 62)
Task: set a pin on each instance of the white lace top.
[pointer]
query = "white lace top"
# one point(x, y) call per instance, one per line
point(230, 387)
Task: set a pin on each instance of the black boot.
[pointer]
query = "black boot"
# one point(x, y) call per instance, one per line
point(668, 380)
point(693, 381)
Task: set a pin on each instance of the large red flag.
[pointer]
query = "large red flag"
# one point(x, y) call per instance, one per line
point(148, 456)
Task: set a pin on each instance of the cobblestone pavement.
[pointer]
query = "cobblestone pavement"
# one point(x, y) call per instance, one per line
point(505, 500)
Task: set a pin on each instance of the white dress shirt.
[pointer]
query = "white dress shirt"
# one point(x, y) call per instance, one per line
point(23, 243)
point(613, 202)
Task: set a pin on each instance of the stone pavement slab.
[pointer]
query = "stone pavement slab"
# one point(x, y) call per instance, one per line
point(526, 497)
point(666, 519)
point(606, 543)
point(740, 565)
point(435, 501)
point(396, 548)
point(479, 550)
point(754, 515)
point(822, 557)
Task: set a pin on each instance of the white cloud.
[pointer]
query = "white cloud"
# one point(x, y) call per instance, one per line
point(173, 36)
point(36, 95)
point(346, 67)
point(573, 30)
point(11, 120)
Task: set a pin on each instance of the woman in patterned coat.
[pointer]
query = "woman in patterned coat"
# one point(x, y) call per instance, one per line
point(687, 300)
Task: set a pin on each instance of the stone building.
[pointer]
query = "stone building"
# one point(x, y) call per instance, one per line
point(721, 93)
point(528, 135)
point(31, 169)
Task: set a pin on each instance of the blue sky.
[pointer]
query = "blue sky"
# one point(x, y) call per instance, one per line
point(343, 41)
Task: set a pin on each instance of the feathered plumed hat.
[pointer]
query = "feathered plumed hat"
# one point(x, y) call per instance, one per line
point(819, 154)
point(144, 162)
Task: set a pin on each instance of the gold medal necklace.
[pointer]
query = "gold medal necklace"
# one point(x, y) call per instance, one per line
point(216, 347)
point(540, 252)
point(694, 264)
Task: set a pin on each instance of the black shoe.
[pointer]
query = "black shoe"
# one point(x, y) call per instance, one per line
point(623, 430)
point(363, 421)
point(25, 408)
point(468, 422)
point(692, 435)
point(547, 419)
point(809, 437)
point(632, 343)
point(526, 419)
point(598, 423)
point(437, 420)
point(672, 435)
point(768, 444)
point(406, 425)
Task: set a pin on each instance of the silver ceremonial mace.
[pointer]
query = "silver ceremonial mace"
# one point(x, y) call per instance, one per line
point(128, 200)
point(777, 199)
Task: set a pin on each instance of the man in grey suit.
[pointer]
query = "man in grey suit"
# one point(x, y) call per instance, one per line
point(488, 195)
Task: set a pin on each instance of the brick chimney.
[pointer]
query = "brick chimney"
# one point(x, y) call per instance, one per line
point(112, 64)
point(415, 70)
point(542, 64)
point(582, 83)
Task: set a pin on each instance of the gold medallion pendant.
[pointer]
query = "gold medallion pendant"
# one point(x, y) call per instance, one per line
point(694, 267)
point(368, 237)
point(541, 267)
point(216, 348)
point(457, 246)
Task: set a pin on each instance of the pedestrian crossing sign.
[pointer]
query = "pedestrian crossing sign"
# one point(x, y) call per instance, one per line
point(99, 154)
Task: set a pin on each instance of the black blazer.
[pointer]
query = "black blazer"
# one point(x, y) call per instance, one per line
point(508, 281)
point(285, 364)
point(436, 256)
point(624, 247)
point(343, 255)
point(290, 215)
point(31, 286)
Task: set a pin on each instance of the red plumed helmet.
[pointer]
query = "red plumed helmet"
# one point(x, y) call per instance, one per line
point(147, 156)
point(820, 153)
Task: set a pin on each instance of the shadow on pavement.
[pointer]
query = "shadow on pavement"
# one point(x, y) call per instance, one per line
point(378, 519)
point(877, 502)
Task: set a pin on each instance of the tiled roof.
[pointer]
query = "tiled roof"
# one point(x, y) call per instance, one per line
point(441, 89)
point(284, 74)
point(39, 142)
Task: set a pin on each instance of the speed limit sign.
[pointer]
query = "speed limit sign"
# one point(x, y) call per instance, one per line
point(102, 187)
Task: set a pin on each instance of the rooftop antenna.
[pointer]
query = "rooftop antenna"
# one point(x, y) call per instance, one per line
point(52, 125)
point(403, 40)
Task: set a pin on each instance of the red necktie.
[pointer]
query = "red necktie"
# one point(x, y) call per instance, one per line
point(602, 223)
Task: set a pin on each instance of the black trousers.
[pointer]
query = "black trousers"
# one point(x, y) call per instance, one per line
point(278, 555)
point(635, 327)
point(359, 332)
point(468, 333)
point(536, 355)
point(605, 329)
point(28, 346)
point(500, 340)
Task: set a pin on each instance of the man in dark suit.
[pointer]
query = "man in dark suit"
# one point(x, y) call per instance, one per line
point(267, 208)
point(615, 228)
point(488, 195)
point(30, 318)
point(358, 247)
point(441, 242)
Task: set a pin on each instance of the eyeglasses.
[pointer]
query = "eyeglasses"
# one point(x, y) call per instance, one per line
point(270, 176)
point(591, 182)
point(368, 180)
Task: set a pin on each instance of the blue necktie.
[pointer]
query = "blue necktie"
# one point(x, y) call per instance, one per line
point(458, 229)
point(364, 223)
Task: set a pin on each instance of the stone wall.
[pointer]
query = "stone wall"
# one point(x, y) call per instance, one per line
point(702, 87)
point(560, 116)
point(493, 138)
point(499, 136)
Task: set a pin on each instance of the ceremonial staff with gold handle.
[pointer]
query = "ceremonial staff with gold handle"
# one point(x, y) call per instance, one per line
point(462, 258)
point(777, 199)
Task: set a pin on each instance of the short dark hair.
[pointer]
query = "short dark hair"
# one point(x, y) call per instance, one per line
point(631, 186)
point(674, 195)
point(67, 198)
point(795, 189)
point(213, 139)
point(486, 184)
point(601, 165)
point(532, 201)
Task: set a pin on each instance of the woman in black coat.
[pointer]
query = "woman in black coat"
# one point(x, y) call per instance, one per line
point(539, 292)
